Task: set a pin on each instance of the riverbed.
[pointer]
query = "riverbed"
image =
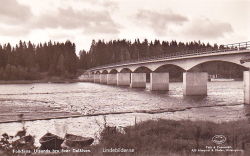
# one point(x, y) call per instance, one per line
point(88, 106)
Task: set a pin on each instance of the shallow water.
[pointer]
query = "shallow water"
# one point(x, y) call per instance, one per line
point(224, 102)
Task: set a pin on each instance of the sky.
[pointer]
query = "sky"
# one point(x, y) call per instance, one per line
point(81, 21)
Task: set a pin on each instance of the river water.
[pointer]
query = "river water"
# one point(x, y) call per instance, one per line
point(122, 106)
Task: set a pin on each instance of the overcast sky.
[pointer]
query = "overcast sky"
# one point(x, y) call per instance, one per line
point(81, 21)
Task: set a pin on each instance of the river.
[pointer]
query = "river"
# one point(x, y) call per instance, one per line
point(122, 106)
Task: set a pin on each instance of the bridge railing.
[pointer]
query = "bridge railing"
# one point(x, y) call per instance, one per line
point(222, 48)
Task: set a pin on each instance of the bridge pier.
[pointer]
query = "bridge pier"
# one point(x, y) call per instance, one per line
point(91, 78)
point(112, 79)
point(246, 80)
point(159, 81)
point(138, 80)
point(123, 79)
point(195, 83)
point(103, 79)
point(96, 78)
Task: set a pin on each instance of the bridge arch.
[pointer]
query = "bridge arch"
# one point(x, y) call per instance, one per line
point(142, 69)
point(213, 61)
point(97, 72)
point(221, 68)
point(113, 71)
point(175, 71)
point(192, 62)
point(104, 72)
point(167, 68)
point(125, 70)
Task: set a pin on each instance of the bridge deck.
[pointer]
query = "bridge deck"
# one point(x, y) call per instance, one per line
point(235, 48)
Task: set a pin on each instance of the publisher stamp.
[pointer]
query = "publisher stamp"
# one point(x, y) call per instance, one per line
point(219, 140)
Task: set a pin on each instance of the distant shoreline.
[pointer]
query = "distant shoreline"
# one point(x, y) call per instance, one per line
point(38, 81)
point(65, 81)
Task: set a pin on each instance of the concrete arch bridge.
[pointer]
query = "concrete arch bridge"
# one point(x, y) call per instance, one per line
point(133, 73)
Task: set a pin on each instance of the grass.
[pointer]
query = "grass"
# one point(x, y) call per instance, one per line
point(177, 137)
point(171, 138)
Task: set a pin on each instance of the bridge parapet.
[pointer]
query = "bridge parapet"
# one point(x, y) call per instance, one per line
point(229, 48)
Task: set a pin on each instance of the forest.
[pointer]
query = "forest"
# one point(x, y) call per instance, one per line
point(29, 61)
point(102, 52)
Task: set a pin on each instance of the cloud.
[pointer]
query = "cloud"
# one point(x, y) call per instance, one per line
point(110, 5)
point(107, 4)
point(61, 35)
point(204, 28)
point(13, 31)
point(89, 21)
point(159, 22)
point(11, 12)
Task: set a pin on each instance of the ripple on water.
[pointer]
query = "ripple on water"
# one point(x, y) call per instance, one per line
point(90, 98)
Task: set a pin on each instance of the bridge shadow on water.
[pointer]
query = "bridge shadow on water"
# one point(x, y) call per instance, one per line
point(159, 92)
point(175, 97)
point(202, 99)
point(247, 111)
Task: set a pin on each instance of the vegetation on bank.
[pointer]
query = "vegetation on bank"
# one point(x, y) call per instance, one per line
point(27, 61)
point(168, 137)
point(52, 80)
point(45, 79)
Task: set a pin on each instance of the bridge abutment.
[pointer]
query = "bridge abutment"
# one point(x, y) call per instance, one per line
point(195, 83)
point(159, 81)
point(246, 80)
point(112, 79)
point(138, 80)
point(103, 79)
point(123, 79)
point(96, 78)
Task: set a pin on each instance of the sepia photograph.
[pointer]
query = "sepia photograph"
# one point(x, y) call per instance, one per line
point(124, 78)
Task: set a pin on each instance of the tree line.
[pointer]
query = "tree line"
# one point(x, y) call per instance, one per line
point(27, 61)
point(102, 52)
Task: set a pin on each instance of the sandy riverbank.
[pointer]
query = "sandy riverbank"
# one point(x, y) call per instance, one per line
point(36, 111)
